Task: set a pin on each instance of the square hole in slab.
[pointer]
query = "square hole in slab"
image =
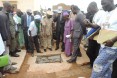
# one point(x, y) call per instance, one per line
point(54, 58)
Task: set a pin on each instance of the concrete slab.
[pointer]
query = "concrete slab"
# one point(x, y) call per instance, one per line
point(19, 60)
point(54, 58)
point(48, 67)
point(54, 67)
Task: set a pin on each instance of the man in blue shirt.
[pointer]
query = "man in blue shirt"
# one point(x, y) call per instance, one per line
point(25, 21)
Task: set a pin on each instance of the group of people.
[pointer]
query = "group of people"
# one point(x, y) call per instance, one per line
point(17, 29)
point(9, 35)
point(102, 49)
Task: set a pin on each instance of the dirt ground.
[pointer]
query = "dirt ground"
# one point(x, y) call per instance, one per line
point(74, 71)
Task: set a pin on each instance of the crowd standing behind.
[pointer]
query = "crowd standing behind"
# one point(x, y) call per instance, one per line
point(18, 30)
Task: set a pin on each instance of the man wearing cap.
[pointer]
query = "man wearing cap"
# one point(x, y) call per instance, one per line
point(25, 21)
point(47, 27)
point(33, 33)
point(60, 23)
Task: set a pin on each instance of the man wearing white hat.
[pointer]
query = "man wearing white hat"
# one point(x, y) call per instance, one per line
point(47, 27)
point(33, 32)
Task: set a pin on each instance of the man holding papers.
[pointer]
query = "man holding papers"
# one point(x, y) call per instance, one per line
point(102, 67)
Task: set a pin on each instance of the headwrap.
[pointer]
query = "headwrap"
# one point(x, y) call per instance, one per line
point(65, 13)
point(37, 24)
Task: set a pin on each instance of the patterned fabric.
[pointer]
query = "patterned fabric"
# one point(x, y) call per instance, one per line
point(46, 32)
point(17, 19)
point(48, 26)
point(38, 27)
point(47, 42)
point(12, 26)
point(21, 37)
point(103, 64)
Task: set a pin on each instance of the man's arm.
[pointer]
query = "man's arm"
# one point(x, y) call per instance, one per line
point(85, 22)
point(30, 33)
point(114, 39)
point(110, 42)
point(80, 18)
point(93, 25)
point(22, 21)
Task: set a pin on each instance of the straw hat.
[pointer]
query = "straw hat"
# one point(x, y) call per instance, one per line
point(49, 12)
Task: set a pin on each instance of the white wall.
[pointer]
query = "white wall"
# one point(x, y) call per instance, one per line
point(26, 4)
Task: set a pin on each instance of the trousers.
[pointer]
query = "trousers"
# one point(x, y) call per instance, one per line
point(47, 42)
point(59, 38)
point(76, 48)
point(114, 72)
point(102, 67)
point(26, 39)
point(17, 41)
point(34, 42)
point(92, 51)
point(13, 46)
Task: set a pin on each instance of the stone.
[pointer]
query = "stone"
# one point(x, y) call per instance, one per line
point(49, 59)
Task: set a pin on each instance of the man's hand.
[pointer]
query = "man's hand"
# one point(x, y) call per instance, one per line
point(87, 22)
point(109, 43)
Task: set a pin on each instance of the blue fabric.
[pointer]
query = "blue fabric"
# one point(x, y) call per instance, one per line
point(28, 20)
point(102, 67)
point(92, 31)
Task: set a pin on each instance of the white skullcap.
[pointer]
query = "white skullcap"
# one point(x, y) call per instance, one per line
point(37, 17)
point(60, 9)
point(29, 10)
